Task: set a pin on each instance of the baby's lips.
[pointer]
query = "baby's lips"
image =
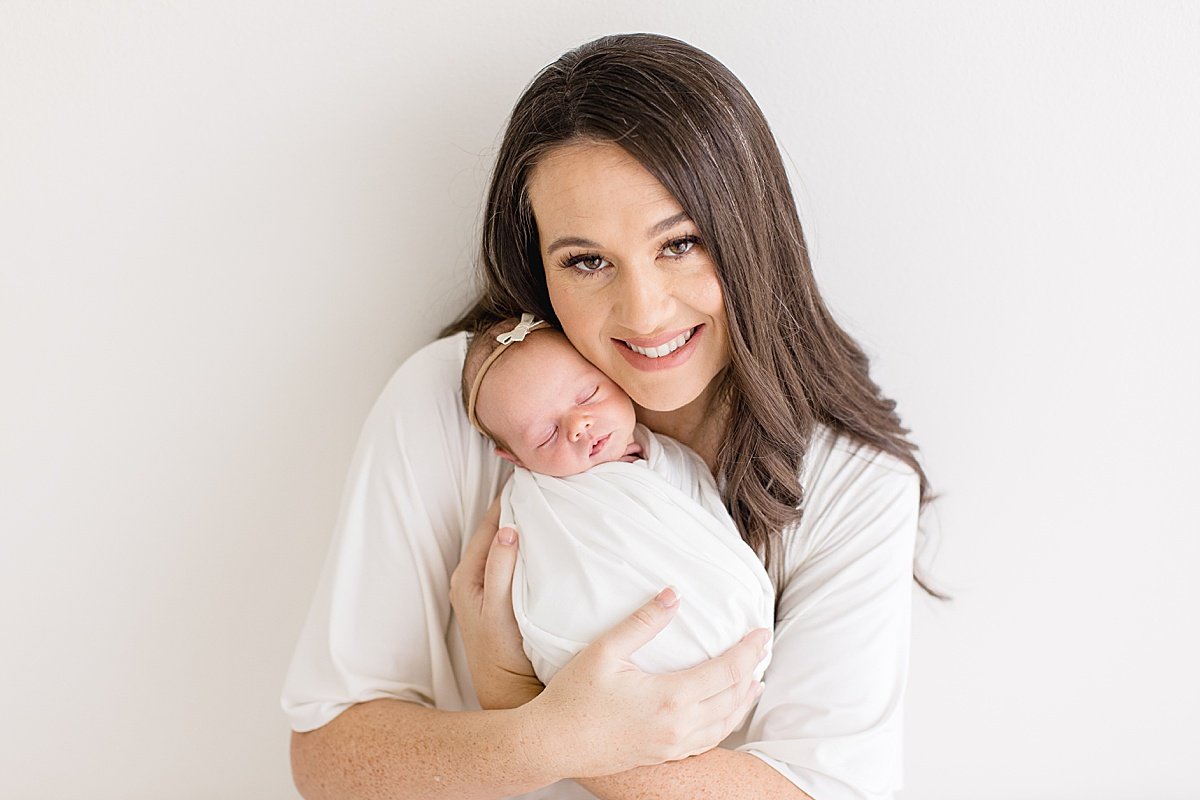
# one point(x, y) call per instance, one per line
point(599, 444)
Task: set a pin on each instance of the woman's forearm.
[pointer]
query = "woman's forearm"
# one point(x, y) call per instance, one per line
point(393, 749)
point(717, 773)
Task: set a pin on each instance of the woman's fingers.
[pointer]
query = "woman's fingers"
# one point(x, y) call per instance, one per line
point(474, 560)
point(722, 720)
point(675, 714)
point(480, 593)
point(731, 703)
point(641, 626)
point(498, 574)
point(733, 668)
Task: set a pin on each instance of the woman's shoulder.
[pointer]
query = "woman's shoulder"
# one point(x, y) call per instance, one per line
point(430, 376)
point(836, 460)
point(417, 437)
point(854, 494)
point(419, 415)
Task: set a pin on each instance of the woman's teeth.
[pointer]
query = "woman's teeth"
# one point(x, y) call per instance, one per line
point(663, 349)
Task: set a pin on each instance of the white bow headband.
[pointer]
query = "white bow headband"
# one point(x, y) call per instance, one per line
point(526, 326)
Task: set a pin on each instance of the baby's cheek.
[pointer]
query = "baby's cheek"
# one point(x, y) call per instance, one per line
point(544, 464)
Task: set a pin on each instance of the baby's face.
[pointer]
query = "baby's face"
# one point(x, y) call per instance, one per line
point(558, 413)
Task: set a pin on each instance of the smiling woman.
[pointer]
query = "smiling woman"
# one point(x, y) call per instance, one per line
point(646, 282)
point(640, 205)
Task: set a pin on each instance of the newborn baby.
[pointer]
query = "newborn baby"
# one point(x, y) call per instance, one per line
point(609, 512)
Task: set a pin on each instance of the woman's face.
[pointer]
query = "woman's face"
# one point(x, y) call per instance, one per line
point(629, 276)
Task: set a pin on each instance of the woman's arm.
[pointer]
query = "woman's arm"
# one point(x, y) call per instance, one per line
point(719, 773)
point(394, 749)
point(390, 748)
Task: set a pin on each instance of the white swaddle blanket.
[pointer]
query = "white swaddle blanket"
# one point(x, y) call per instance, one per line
point(598, 545)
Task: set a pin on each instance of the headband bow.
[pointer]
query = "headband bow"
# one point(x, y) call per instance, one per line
point(523, 328)
point(517, 334)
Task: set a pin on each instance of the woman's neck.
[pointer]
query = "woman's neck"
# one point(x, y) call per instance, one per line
point(701, 424)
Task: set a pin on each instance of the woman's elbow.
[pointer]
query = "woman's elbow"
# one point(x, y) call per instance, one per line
point(303, 756)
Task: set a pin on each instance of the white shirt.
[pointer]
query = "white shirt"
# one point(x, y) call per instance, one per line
point(380, 625)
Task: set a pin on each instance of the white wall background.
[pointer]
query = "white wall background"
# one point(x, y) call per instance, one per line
point(223, 225)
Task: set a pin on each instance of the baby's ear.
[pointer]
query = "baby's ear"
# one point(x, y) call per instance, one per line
point(507, 456)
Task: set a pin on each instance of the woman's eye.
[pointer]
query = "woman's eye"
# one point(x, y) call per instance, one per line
point(682, 246)
point(587, 264)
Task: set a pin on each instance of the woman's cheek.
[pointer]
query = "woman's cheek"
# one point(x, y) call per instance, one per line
point(582, 337)
point(564, 309)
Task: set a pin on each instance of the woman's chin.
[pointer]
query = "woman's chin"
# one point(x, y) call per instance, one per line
point(661, 407)
point(668, 399)
point(665, 396)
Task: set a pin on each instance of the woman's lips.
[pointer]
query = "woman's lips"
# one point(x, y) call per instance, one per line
point(662, 339)
point(675, 359)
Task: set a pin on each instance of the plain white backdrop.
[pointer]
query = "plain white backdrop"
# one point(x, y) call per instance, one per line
point(223, 225)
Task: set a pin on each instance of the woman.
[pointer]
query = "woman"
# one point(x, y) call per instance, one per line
point(640, 203)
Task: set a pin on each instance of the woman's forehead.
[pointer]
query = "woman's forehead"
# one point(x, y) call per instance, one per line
point(589, 185)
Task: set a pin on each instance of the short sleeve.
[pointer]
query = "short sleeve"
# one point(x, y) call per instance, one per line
point(379, 625)
point(831, 716)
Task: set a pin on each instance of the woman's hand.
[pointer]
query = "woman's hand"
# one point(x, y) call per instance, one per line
point(608, 716)
point(600, 712)
point(632, 453)
point(481, 595)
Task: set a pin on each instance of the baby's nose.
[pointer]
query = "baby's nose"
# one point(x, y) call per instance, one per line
point(580, 428)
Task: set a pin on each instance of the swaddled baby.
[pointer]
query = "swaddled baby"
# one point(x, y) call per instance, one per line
point(609, 512)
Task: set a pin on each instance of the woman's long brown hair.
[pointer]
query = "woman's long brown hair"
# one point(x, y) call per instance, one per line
point(691, 123)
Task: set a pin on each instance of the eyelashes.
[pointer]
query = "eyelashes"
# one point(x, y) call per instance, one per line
point(588, 264)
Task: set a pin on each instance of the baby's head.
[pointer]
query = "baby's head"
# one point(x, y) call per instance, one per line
point(544, 405)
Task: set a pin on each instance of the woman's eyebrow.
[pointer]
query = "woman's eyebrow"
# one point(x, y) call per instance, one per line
point(655, 230)
point(667, 224)
point(570, 241)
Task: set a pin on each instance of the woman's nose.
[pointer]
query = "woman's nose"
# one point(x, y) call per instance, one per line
point(644, 300)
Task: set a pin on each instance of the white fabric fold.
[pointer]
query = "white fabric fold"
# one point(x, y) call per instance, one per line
point(598, 545)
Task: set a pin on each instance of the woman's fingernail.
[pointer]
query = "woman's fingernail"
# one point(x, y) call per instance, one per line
point(761, 687)
point(506, 536)
point(667, 598)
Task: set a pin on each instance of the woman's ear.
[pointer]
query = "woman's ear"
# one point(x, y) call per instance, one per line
point(507, 456)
